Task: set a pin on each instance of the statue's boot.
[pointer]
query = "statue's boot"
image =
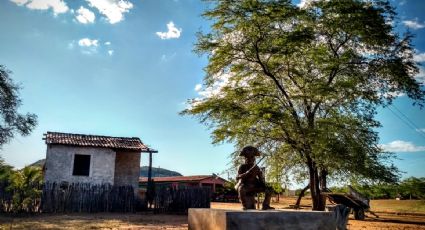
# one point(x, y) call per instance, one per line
point(267, 207)
point(267, 199)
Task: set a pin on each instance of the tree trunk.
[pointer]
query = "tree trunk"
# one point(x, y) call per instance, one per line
point(323, 186)
point(316, 196)
point(297, 204)
point(323, 181)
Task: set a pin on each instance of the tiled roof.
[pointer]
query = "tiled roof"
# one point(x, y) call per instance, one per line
point(127, 143)
point(180, 178)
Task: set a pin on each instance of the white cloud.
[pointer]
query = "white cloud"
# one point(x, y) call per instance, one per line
point(19, 2)
point(88, 46)
point(393, 94)
point(85, 16)
point(414, 24)
point(221, 81)
point(402, 146)
point(421, 130)
point(71, 45)
point(113, 10)
point(172, 32)
point(305, 3)
point(87, 42)
point(302, 3)
point(168, 57)
point(58, 6)
point(421, 75)
point(198, 87)
point(215, 90)
point(420, 57)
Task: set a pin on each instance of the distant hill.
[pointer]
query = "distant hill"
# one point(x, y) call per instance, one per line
point(38, 163)
point(156, 172)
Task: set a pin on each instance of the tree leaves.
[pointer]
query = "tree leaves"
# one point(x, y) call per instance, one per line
point(11, 121)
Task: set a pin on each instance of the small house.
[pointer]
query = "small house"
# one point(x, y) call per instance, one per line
point(79, 158)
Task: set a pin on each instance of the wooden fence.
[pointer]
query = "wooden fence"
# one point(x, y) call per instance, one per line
point(179, 200)
point(87, 198)
point(67, 198)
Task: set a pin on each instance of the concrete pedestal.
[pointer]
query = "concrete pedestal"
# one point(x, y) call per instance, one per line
point(219, 219)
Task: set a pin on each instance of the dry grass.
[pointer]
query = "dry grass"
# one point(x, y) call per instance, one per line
point(398, 206)
point(392, 219)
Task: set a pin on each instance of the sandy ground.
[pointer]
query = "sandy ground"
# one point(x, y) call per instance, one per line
point(157, 222)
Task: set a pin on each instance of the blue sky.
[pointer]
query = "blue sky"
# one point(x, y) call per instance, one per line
point(126, 68)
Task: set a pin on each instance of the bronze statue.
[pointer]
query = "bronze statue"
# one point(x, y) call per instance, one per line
point(251, 180)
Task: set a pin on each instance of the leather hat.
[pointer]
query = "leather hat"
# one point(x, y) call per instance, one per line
point(249, 151)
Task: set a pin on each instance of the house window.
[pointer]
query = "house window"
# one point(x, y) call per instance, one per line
point(81, 165)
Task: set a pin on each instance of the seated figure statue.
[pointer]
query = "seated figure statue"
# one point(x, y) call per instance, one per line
point(251, 181)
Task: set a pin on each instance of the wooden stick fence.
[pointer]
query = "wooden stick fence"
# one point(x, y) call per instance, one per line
point(87, 198)
point(66, 198)
point(179, 200)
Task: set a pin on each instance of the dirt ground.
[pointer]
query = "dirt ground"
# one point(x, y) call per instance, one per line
point(96, 221)
point(386, 220)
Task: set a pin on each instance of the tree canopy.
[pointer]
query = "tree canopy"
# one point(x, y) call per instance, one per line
point(11, 121)
point(303, 84)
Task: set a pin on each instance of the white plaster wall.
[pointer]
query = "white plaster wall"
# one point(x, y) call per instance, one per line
point(60, 163)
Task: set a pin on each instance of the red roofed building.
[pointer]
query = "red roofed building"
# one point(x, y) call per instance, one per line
point(211, 181)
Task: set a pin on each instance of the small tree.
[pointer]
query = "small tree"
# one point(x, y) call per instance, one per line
point(25, 184)
point(413, 187)
point(5, 171)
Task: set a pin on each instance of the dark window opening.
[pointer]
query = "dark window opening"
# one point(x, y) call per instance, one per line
point(81, 165)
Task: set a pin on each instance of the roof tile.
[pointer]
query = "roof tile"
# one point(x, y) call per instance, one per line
point(127, 143)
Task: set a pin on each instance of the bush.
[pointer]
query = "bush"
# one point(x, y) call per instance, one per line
point(25, 188)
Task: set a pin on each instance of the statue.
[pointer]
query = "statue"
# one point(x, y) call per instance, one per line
point(251, 181)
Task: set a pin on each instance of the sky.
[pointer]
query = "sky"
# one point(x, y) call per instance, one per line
point(127, 67)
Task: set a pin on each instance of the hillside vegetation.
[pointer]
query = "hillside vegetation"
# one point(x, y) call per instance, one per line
point(158, 172)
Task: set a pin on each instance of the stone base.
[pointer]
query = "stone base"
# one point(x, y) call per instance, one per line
point(220, 219)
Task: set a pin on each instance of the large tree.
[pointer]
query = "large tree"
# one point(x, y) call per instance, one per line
point(11, 121)
point(304, 83)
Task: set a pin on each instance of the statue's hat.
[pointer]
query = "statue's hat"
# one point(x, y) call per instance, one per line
point(249, 151)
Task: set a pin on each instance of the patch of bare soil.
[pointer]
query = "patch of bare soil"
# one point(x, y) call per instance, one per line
point(389, 221)
point(96, 221)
